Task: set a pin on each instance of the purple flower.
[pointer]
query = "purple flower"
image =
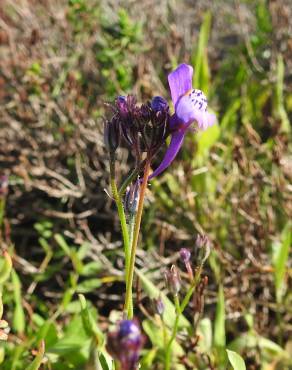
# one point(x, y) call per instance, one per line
point(190, 106)
point(185, 255)
point(125, 344)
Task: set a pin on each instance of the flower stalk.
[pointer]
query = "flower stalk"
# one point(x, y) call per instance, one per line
point(130, 276)
point(121, 214)
point(180, 307)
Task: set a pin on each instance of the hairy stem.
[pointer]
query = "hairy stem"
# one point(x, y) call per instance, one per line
point(134, 174)
point(129, 284)
point(122, 216)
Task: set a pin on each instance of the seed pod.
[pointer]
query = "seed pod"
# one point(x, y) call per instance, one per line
point(132, 198)
point(173, 280)
point(202, 248)
point(112, 135)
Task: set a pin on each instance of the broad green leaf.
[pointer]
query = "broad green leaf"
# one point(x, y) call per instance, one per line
point(89, 322)
point(205, 333)
point(236, 360)
point(154, 292)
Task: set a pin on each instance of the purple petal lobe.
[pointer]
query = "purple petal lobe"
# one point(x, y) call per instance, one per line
point(189, 109)
point(174, 147)
point(205, 120)
point(180, 81)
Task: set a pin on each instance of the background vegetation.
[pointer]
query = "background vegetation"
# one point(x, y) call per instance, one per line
point(60, 61)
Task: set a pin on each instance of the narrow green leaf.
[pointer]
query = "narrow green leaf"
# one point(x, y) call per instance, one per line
point(35, 365)
point(63, 244)
point(280, 258)
point(219, 326)
point(236, 361)
point(89, 322)
point(280, 94)
point(6, 266)
point(199, 58)
point(18, 315)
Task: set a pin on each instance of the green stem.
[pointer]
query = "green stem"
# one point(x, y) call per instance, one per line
point(129, 284)
point(179, 310)
point(131, 225)
point(191, 289)
point(122, 216)
point(173, 334)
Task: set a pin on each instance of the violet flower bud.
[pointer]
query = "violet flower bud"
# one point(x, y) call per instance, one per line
point(3, 185)
point(132, 198)
point(158, 104)
point(172, 278)
point(202, 248)
point(112, 135)
point(185, 255)
point(125, 344)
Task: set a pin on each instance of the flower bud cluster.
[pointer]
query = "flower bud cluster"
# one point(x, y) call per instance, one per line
point(125, 344)
point(144, 127)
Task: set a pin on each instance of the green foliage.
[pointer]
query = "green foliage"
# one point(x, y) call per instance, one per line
point(236, 360)
point(280, 254)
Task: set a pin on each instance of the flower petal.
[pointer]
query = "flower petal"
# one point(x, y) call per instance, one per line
point(180, 81)
point(205, 119)
point(174, 147)
point(187, 112)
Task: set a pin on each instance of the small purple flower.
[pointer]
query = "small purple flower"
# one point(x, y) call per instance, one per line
point(125, 344)
point(190, 106)
point(185, 255)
